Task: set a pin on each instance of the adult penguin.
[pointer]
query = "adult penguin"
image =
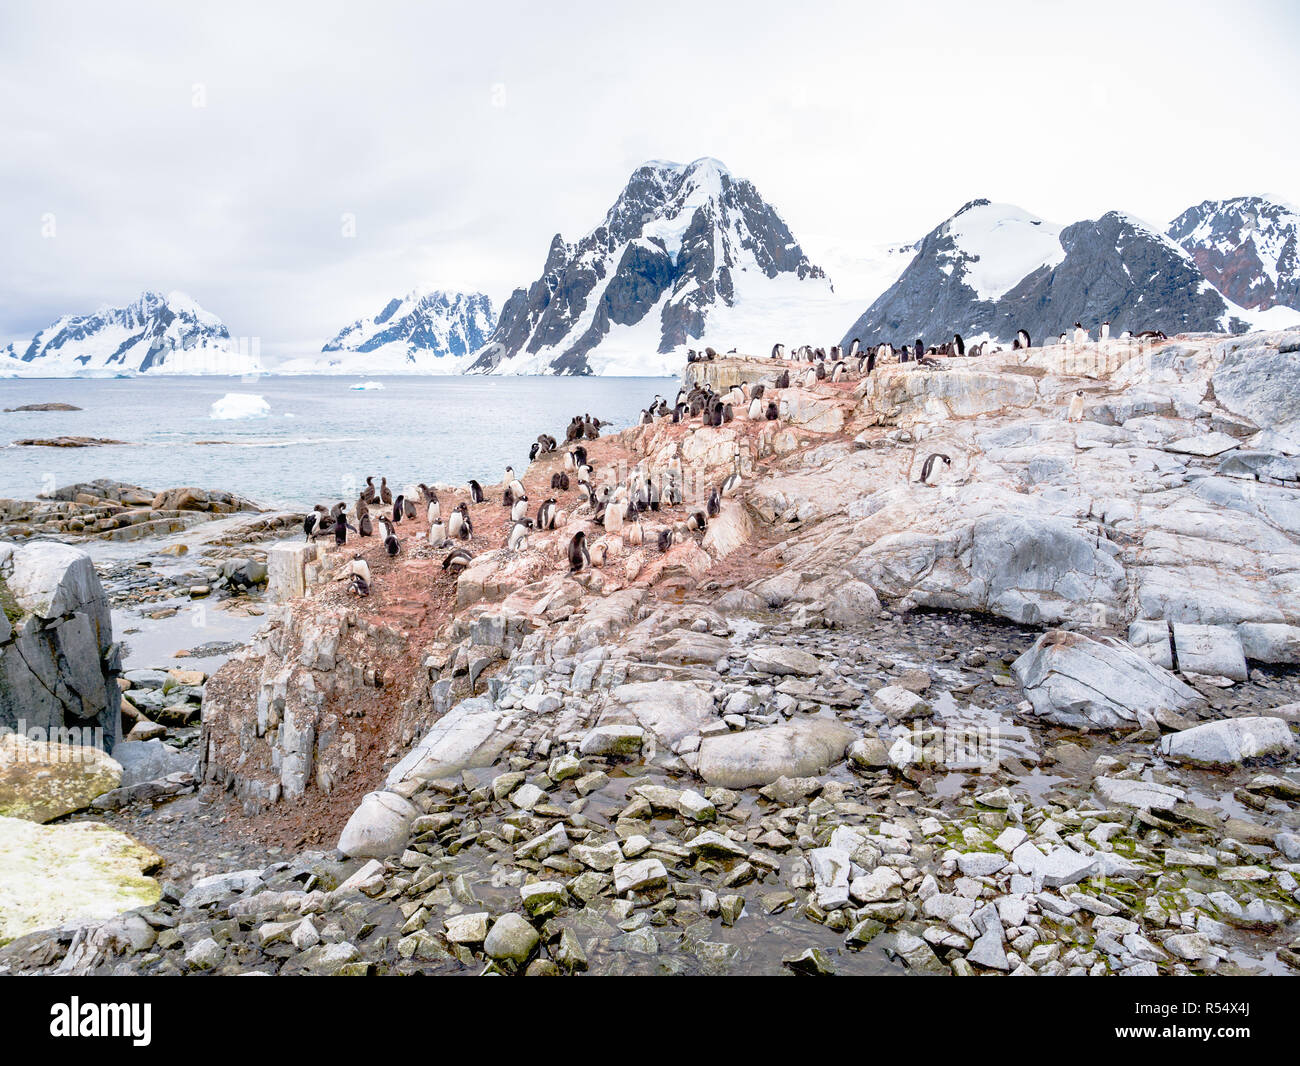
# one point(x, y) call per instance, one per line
point(455, 520)
point(519, 509)
point(475, 492)
point(928, 466)
point(466, 527)
point(391, 544)
point(435, 511)
point(1075, 413)
point(714, 504)
point(1022, 339)
point(871, 360)
point(546, 515)
point(919, 349)
point(399, 507)
point(385, 495)
point(652, 494)
point(778, 351)
point(958, 345)
point(579, 556)
point(732, 482)
point(312, 523)
point(518, 537)
point(456, 560)
point(755, 409)
point(341, 527)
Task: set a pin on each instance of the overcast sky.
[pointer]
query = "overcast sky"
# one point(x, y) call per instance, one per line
point(221, 148)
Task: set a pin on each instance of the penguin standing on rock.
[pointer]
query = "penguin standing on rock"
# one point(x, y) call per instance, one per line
point(399, 508)
point(519, 509)
point(1076, 407)
point(518, 537)
point(773, 412)
point(579, 556)
point(435, 511)
point(1022, 340)
point(546, 515)
point(927, 468)
point(475, 492)
point(312, 523)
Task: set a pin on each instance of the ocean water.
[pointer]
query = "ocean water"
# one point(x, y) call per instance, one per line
point(319, 440)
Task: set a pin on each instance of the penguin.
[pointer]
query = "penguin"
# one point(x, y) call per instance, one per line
point(313, 521)
point(579, 556)
point(665, 539)
point(928, 466)
point(732, 482)
point(714, 504)
point(810, 378)
point(614, 518)
point(597, 553)
point(455, 520)
point(435, 511)
point(398, 508)
point(783, 380)
point(516, 489)
point(465, 528)
point(635, 535)
point(1061, 339)
point(409, 509)
point(359, 585)
point(1022, 339)
point(475, 492)
point(391, 544)
point(437, 533)
point(919, 349)
point(728, 414)
point(456, 560)
point(773, 412)
point(778, 351)
point(341, 527)
point(696, 522)
point(821, 371)
point(1105, 330)
point(546, 515)
point(359, 566)
point(427, 495)
point(365, 527)
point(871, 360)
point(518, 537)
point(519, 509)
point(1080, 334)
point(653, 495)
point(837, 374)
point(1076, 407)
point(532, 452)
point(958, 345)
point(385, 495)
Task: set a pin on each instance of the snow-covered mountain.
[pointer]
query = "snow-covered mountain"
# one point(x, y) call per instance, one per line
point(1247, 247)
point(424, 332)
point(687, 255)
point(155, 334)
point(992, 269)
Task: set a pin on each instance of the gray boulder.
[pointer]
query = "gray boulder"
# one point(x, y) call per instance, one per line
point(380, 826)
point(760, 756)
point(1076, 681)
point(149, 760)
point(1229, 742)
point(58, 662)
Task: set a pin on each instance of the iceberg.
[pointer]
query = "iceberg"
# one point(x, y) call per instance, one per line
point(240, 405)
point(363, 385)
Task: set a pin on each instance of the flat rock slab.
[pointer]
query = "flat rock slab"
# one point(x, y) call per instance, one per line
point(669, 709)
point(40, 781)
point(1144, 795)
point(1213, 650)
point(760, 756)
point(782, 661)
point(1076, 681)
point(55, 874)
point(1229, 742)
point(1204, 444)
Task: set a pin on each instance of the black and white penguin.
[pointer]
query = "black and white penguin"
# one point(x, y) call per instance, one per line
point(1075, 413)
point(456, 520)
point(456, 560)
point(958, 345)
point(773, 412)
point(341, 527)
point(475, 492)
point(546, 515)
point(518, 537)
point(519, 509)
point(919, 349)
point(665, 539)
point(778, 351)
point(579, 556)
point(696, 522)
point(466, 529)
point(437, 534)
point(391, 544)
point(928, 466)
point(755, 409)
point(714, 504)
point(434, 513)
point(732, 482)
point(1022, 339)
point(359, 585)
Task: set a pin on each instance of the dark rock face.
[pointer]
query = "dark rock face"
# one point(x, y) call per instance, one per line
point(672, 241)
point(1110, 269)
point(443, 323)
point(1247, 247)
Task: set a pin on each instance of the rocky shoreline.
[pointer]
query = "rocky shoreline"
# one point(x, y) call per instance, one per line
point(1038, 718)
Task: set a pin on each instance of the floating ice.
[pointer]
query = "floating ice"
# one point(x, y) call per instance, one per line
point(240, 405)
point(367, 385)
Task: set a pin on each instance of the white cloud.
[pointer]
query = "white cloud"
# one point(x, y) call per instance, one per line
point(460, 139)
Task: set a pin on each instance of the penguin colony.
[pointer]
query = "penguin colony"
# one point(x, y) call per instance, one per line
point(637, 506)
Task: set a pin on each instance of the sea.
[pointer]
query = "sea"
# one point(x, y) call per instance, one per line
point(297, 441)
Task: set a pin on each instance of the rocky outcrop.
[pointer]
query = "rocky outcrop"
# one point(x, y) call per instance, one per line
point(58, 660)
